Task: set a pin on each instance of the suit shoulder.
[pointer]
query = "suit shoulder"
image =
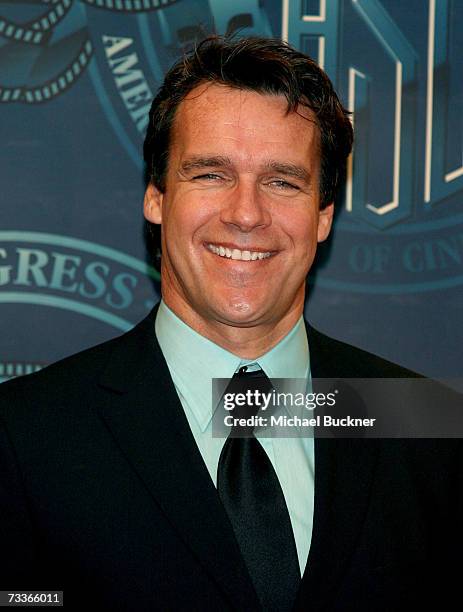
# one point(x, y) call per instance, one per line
point(345, 360)
point(74, 381)
point(66, 378)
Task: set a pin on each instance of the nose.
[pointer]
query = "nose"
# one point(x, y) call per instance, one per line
point(245, 208)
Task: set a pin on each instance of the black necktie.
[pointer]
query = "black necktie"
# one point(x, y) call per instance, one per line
point(251, 493)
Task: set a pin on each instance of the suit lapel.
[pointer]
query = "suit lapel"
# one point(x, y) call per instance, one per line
point(144, 414)
point(343, 474)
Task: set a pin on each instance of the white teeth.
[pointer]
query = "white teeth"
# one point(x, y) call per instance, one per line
point(237, 254)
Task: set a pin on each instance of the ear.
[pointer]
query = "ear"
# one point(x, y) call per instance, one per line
point(325, 219)
point(152, 204)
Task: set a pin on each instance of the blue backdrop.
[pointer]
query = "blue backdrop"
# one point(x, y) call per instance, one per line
point(76, 81)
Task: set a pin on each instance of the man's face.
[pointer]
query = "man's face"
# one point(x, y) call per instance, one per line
point(242, 180)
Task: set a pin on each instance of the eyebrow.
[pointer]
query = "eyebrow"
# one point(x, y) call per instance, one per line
point(198, 163)
point(219, 161)
point(298, 172)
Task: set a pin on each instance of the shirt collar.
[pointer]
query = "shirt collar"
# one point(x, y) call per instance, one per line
point(194, 360)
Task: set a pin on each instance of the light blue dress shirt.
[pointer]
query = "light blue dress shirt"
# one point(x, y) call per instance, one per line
point(193, 361)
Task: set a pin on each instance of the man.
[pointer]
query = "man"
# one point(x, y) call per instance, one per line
point(113, 487)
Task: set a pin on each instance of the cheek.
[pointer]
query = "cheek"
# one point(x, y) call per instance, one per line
point(185, 222)
point(302, 231)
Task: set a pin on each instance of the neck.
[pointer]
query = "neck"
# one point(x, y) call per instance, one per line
point(247, 342)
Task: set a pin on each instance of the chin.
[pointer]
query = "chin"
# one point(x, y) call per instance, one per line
point(240, 312)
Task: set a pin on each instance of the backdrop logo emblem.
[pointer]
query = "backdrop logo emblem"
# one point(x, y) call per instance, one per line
point(45, 50)
point(74, 275)
point(137, 41)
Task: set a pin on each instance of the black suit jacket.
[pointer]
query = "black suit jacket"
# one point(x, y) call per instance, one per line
point(104, 495)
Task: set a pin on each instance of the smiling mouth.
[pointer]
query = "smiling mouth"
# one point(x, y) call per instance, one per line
point(237, 254)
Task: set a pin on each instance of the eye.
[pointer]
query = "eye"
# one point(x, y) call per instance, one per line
point(209, 176)
point(283, 185)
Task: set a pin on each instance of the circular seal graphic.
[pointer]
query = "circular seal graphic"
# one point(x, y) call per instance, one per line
point(46, 48)
point(72, 274)
point(46, 51)
point(67, 276)
point(136, 42)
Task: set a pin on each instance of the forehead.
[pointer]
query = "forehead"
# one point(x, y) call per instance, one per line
point(216, 116)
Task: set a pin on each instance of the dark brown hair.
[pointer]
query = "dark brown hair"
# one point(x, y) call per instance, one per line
point(263, 65)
